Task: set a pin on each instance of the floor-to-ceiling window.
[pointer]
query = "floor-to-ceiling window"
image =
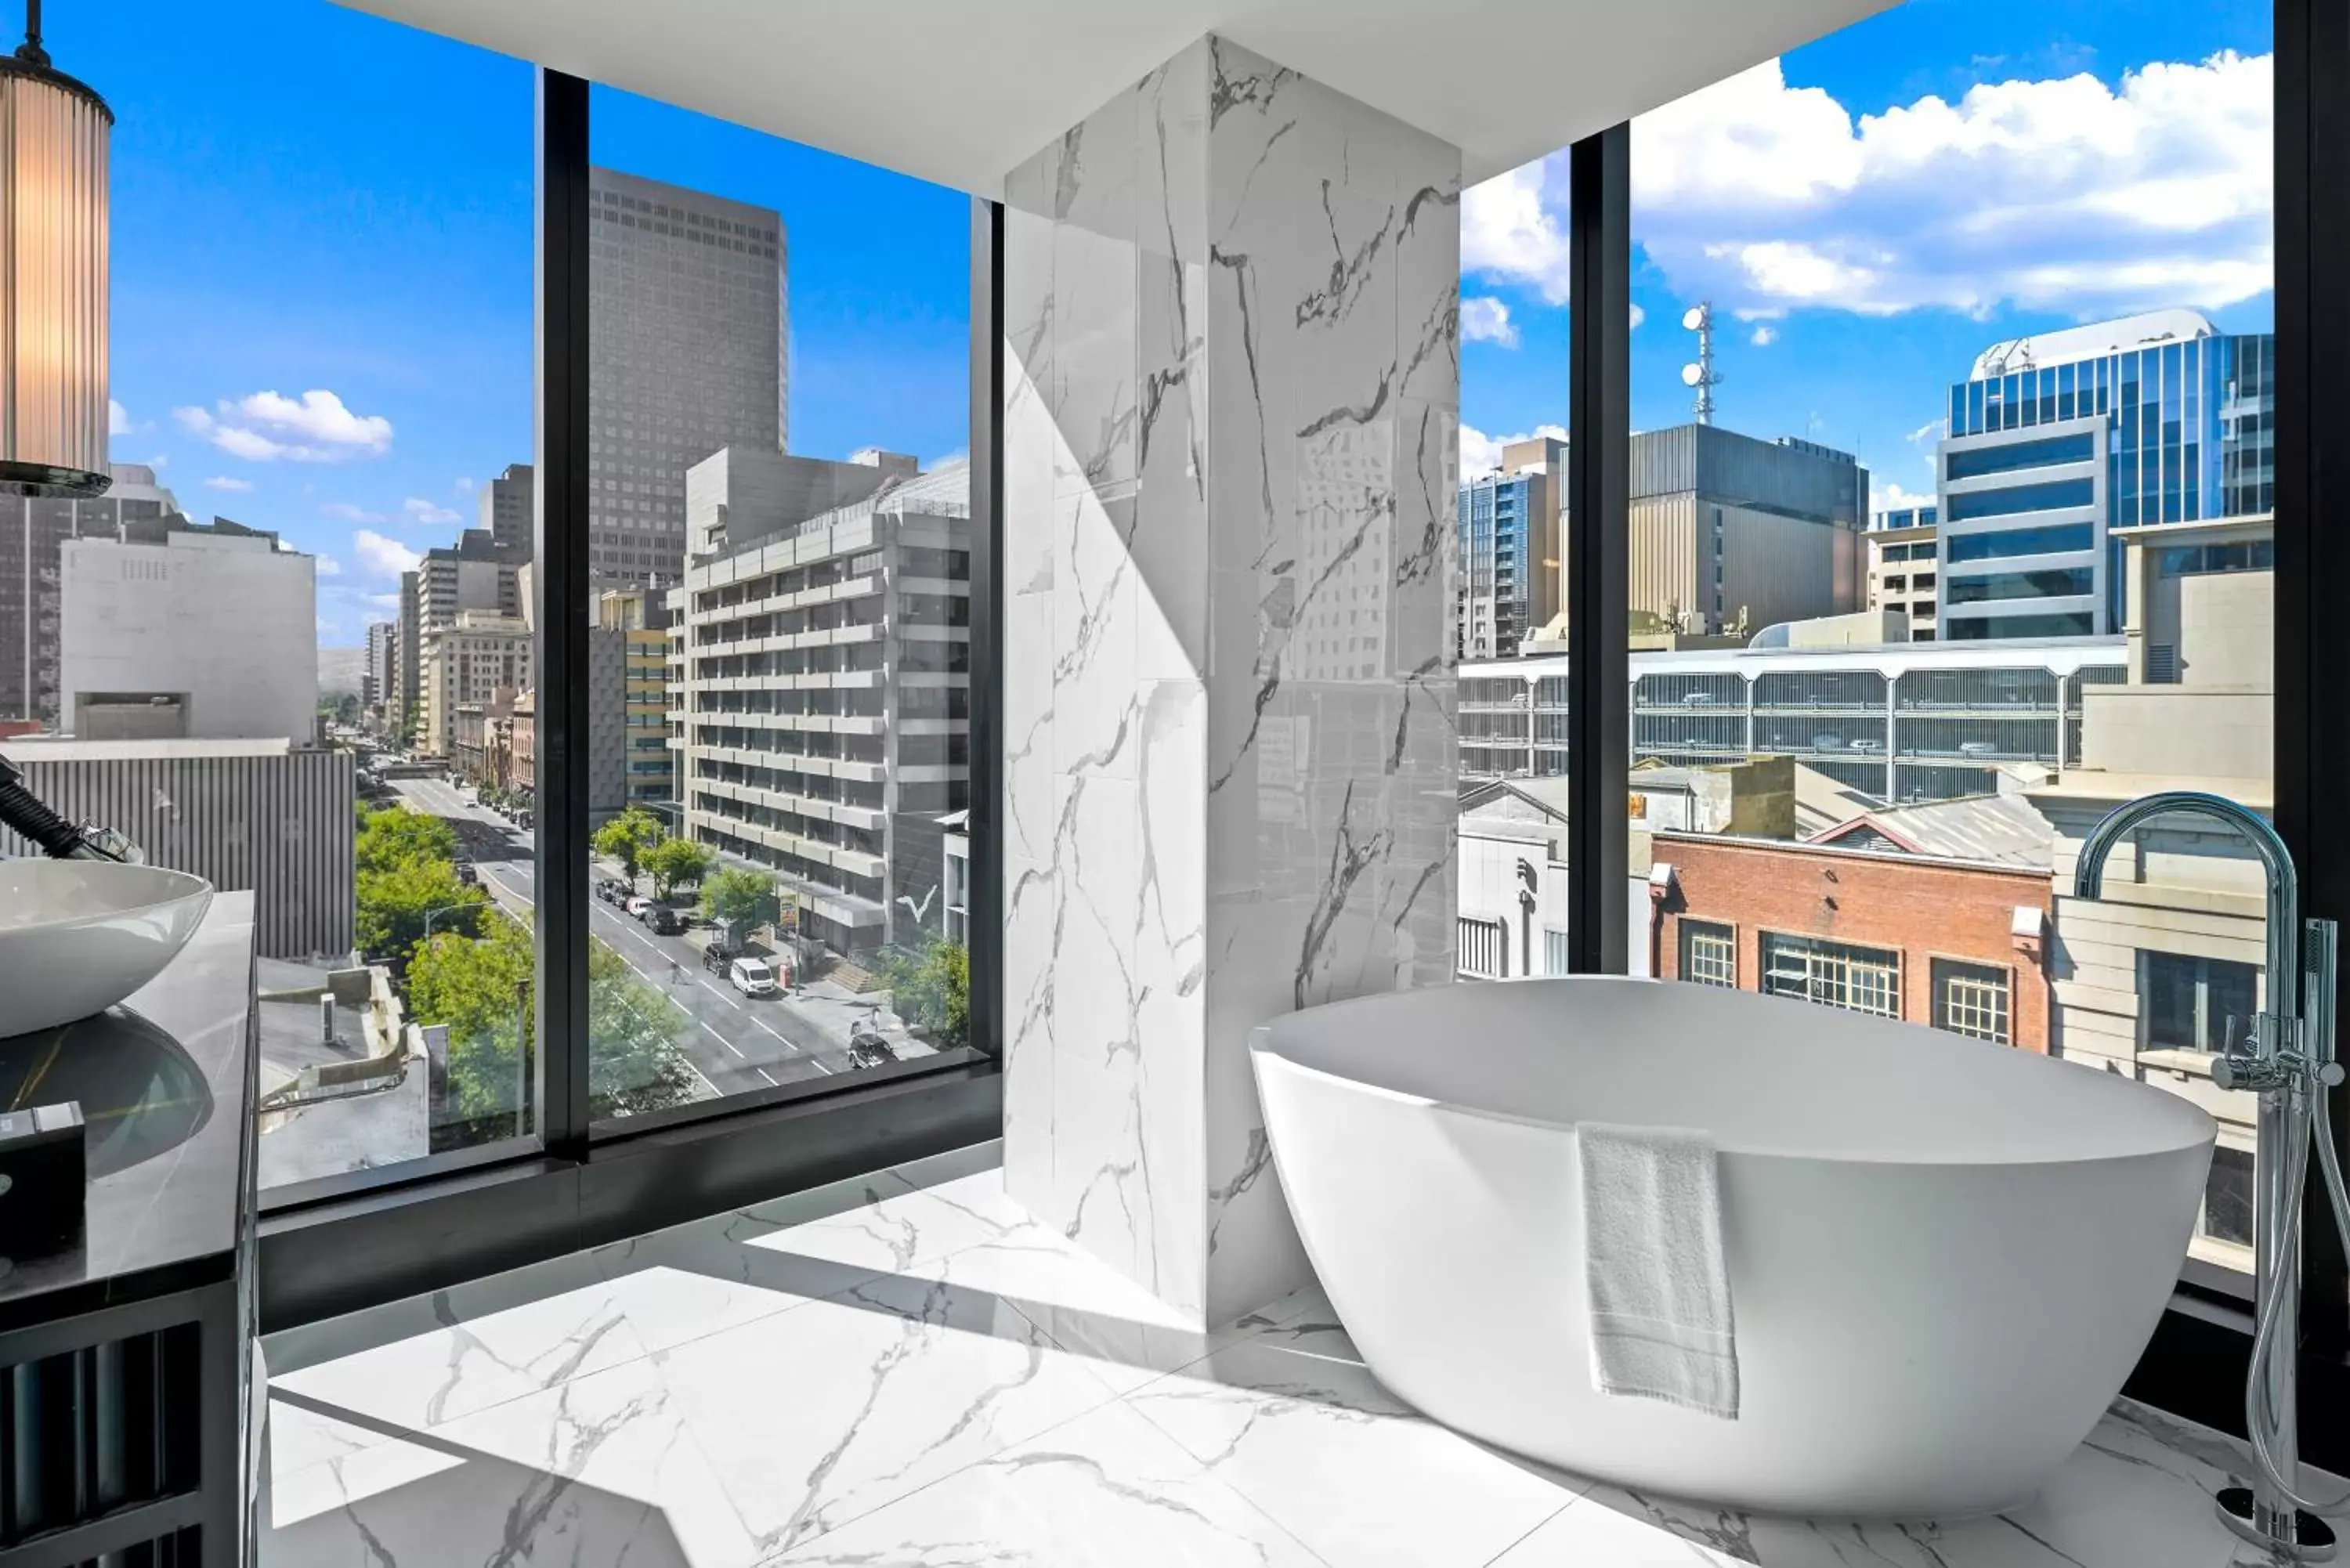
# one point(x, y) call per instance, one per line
point(1951, 528)
point(779, 538)
point(285, 648)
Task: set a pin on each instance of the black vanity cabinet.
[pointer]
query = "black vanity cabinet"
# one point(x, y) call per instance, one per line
point(125, 1362)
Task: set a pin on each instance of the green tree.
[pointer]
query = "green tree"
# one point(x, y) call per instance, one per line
point(932, 991)
point(482, 991)
point(396, 902)
point(677, 863)
point(396, 835)
point(628, 839)
point(734, 895)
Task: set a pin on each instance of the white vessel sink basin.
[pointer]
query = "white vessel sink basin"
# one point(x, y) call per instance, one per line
point(78, 936)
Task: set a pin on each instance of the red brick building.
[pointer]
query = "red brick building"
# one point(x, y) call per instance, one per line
point(1948, 943)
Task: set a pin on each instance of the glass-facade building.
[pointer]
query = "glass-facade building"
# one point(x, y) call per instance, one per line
point(2055, 442)
point(1498, 517)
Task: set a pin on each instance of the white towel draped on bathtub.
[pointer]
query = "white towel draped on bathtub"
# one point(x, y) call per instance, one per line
point(1658, 1289)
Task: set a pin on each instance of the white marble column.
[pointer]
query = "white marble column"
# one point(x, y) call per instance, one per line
point(1231, 304)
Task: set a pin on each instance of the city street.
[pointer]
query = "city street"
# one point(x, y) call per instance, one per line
point(735, 1043)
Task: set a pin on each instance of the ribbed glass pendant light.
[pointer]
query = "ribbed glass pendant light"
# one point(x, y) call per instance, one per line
point(53, 275)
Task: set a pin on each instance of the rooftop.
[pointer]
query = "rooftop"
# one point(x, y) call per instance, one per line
point(2071, 345)
point(1998, 829)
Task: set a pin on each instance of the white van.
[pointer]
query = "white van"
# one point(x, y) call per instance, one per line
point(752, 977)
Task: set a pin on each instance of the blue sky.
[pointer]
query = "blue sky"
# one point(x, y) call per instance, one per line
point(320, 206)
point(1870, 212)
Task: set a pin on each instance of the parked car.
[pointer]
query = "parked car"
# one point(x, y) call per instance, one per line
point(867, 1049)
point(716, 957)
point(1977, 748)
point(663, 920)
point(611, 890)
point(467, 875)
point(1868, 746)
point(1824, 742)
point(635, 905)
point(752, 977)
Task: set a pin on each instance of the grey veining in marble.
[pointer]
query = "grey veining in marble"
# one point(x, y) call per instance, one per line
point(1230, 435)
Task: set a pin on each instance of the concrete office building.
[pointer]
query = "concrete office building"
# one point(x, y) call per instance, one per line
point(257, 815)
point(1901, 559)
point(508, 512)
point(825, 719)
point(476, 573)
point(407, 653)
point(2057, 440)
point(376, 675)
point(629, 760)
point(32, 531)
point(1509, 576)
point(1730, 532)
point(687, 345)
point(467, 661)
point(211, 633)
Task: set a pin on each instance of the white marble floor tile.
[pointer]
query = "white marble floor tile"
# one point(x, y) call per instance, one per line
point(815, 1416)
point(1105, 1490)
point(1317, 1444)
point(598, 1471)
point(442, 1357)
point(2138, 1494)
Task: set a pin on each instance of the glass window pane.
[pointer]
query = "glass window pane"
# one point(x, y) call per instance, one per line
point(780, 659)
point(259, 652)
point(1997, 555)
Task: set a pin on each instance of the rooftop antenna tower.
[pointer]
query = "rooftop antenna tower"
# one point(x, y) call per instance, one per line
point(1700, 374)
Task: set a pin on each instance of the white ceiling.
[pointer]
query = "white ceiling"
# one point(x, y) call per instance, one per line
point(961, 91)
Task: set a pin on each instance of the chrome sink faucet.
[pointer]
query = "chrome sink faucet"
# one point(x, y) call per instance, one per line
point(2289, 1064)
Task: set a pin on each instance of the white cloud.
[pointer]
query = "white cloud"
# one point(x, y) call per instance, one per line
point(328, 567)
point(1638, 316)
point(1481, 453)
point(267, 426)
point(348, 513)
point(1763, 335)
point(159, 460)
point(1484, 319)
point(1514, 226)
point(426, 511)
point(464, 484)
point(118, 420)
point(1886, 495)
point(2063, 193)
point(384, 557)
point(224, 481)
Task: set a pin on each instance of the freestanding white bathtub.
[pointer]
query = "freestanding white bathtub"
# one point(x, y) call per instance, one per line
point(1945, 1256)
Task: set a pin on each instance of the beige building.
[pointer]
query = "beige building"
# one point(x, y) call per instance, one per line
point(2152, 980)
point(466, 662)
point(1902, 567)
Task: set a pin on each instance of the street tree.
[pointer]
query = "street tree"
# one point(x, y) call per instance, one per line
point(628, 839)
point(676, 863)
point(734, 895)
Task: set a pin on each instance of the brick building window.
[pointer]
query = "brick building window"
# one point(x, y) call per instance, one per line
point(1971, 999)
point(1709, 954)
point(1835, 974)
point(1484, 948)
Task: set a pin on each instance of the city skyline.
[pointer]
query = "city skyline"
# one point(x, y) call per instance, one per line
point(387, 361)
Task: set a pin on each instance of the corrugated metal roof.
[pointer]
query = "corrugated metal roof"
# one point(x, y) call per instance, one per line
point(1996, 829)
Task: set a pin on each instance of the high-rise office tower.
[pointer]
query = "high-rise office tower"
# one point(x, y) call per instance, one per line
point(506, 511)
point(2061, 439)
point(686, 305)
point(1509, 549)
point(408, 652)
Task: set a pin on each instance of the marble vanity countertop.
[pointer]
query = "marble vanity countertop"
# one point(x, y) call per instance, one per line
point(165, 1084)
